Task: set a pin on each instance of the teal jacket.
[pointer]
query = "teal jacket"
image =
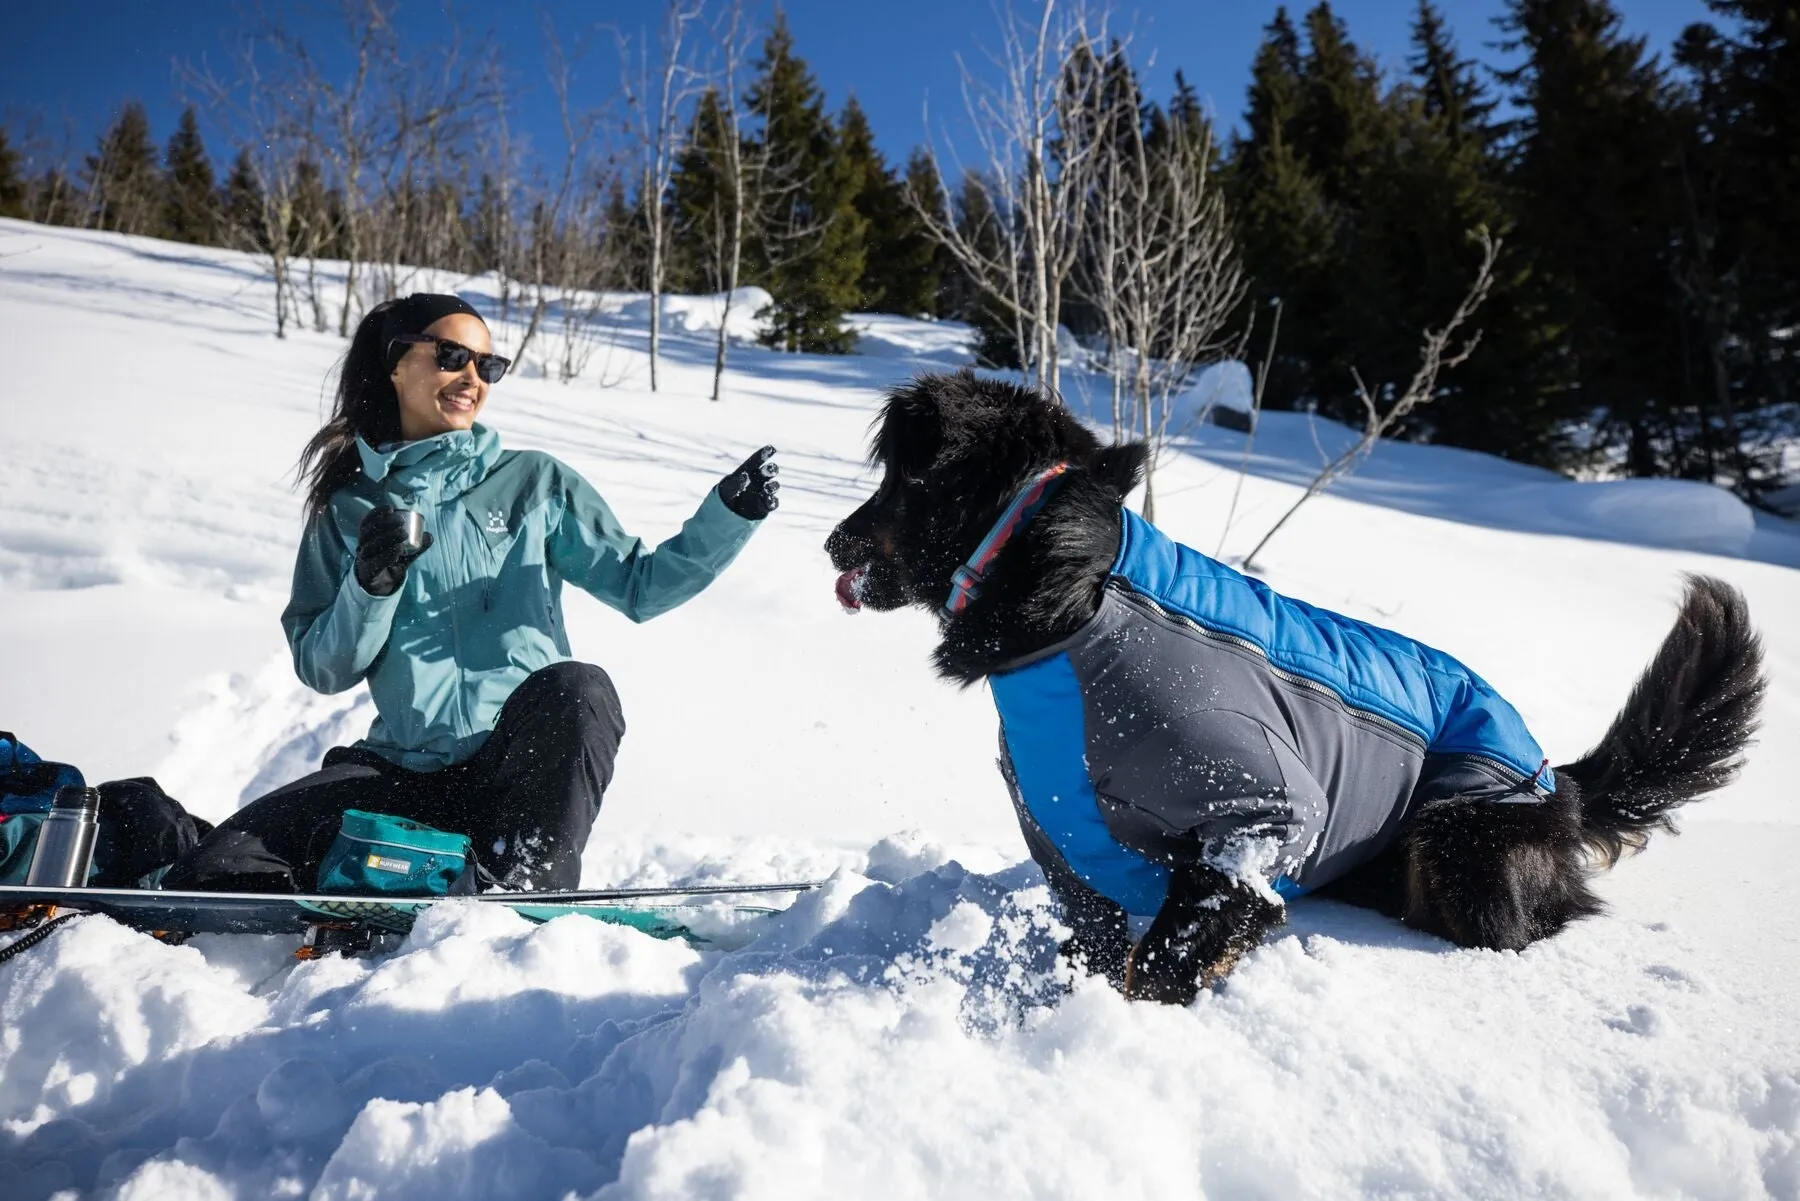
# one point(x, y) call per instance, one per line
point(482, 608)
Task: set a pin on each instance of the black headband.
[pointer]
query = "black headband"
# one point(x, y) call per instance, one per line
point(414, 315)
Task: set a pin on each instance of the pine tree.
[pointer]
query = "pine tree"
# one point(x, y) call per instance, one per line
point(1446, 181)
point(700, 201)
point(1289, 221)
point(13, 193)
point(924, 191)
point(1341, 124)
point(191, 204)
point(241, 205)
point(1448, 86)
point(315, 215)
point(996, 328)
point(1284, 226)
point(1354, 202)
point(122, 176)
point(809, 247)
point(1737, 247)
point(900, 273)
point(627, 242)
point(1591, 172)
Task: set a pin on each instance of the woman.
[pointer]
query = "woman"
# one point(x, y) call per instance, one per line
point(485, 724)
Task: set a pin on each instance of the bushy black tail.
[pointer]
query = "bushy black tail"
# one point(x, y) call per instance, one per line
point(1681, 733)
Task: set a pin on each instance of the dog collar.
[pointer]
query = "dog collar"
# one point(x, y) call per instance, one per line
point(966, 584)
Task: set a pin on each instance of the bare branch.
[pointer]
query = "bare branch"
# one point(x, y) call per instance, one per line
point(1435, 357)
point(1038, 161)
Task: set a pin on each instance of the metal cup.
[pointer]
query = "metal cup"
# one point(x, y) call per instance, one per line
point(415, 528)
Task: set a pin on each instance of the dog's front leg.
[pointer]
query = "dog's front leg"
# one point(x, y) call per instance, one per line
point(1100, 937)
point(1207, 923)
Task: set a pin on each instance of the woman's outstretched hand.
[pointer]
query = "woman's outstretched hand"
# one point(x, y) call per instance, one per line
point(750, 491)
point(385, 549)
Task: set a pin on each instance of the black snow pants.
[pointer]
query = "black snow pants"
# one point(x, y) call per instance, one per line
point(527, 799)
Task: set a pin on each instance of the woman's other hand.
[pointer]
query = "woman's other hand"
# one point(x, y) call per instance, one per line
point(386, 545)
point(751, 490)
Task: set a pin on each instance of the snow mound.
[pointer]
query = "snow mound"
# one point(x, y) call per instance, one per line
point(1224, 386)
point(1678, 513)
point(914, 1039)
point(702, 314)
point(930, 345)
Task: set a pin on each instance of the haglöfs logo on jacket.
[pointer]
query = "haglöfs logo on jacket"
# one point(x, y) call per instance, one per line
point(496, 522)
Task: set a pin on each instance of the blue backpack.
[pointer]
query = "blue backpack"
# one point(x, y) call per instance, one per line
point(28, 785)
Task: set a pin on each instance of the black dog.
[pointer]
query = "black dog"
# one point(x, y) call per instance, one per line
point(1182, 742)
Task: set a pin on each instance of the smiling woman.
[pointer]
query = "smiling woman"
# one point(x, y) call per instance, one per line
point(432, 567)
point(443, 383)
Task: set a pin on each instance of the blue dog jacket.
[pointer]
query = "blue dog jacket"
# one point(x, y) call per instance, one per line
point(1200, 715)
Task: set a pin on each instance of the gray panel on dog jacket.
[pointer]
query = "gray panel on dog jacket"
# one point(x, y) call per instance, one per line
point(1202, 717)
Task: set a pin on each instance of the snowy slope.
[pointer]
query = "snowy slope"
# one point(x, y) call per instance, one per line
point(903, 1033)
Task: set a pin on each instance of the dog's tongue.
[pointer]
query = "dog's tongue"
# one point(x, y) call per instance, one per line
point(849, 589)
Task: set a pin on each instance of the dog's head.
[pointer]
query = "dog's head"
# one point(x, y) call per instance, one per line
point(953, 451)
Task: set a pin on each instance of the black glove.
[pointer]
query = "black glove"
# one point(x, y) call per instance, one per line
point(750, 490)
point(383, 553)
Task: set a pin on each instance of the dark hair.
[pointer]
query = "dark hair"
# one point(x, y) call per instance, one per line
point(367, 406)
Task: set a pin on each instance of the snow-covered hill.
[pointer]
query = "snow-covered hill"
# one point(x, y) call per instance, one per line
point(902, 1033)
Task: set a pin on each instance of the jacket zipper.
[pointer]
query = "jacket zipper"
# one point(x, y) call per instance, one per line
point(493, 568)
point(462, 700)
point(1354, 712)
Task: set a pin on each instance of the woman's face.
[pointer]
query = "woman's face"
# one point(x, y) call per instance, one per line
point(437, 402)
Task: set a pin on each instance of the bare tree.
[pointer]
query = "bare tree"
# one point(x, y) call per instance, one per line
point(1160, 265)
point(496, 236)
point(656, 91)
point(1256, 404)
point(341, 127)
point(384, 128)
point(1435, 357)
point(313, 228)
point(1038, 163)
point(266, 120)
point(754, 188)
point(581, 261)
point(737, 175)
point(543, 262)
point(432, 99)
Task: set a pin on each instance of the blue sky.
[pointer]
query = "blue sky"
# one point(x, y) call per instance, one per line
point(70, 64)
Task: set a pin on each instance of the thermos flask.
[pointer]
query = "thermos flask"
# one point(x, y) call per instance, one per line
point(65, 844)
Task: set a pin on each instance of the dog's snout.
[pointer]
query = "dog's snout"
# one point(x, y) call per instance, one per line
point(850, 545)
point(846, 549)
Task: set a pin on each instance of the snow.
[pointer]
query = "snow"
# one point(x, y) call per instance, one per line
point(904, 1031)
point(702, 314)
point(1225, 385)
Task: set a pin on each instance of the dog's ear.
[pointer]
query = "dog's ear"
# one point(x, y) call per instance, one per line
point(910, 429)
point(1120, 467)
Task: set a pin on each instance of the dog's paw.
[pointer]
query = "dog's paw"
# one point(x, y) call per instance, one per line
point(1099, 956)
point(1163, 971)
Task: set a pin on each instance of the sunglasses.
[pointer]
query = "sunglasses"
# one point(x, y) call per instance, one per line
point(454, 356)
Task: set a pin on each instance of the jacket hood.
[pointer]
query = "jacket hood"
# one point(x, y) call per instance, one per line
point(461, 457)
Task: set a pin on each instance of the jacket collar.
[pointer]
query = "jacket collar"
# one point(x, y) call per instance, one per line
point(459, 458)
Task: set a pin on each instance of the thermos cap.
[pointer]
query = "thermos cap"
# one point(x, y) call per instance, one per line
point(73, 797)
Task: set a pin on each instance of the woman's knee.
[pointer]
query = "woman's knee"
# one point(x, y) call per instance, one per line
point(583, 690)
